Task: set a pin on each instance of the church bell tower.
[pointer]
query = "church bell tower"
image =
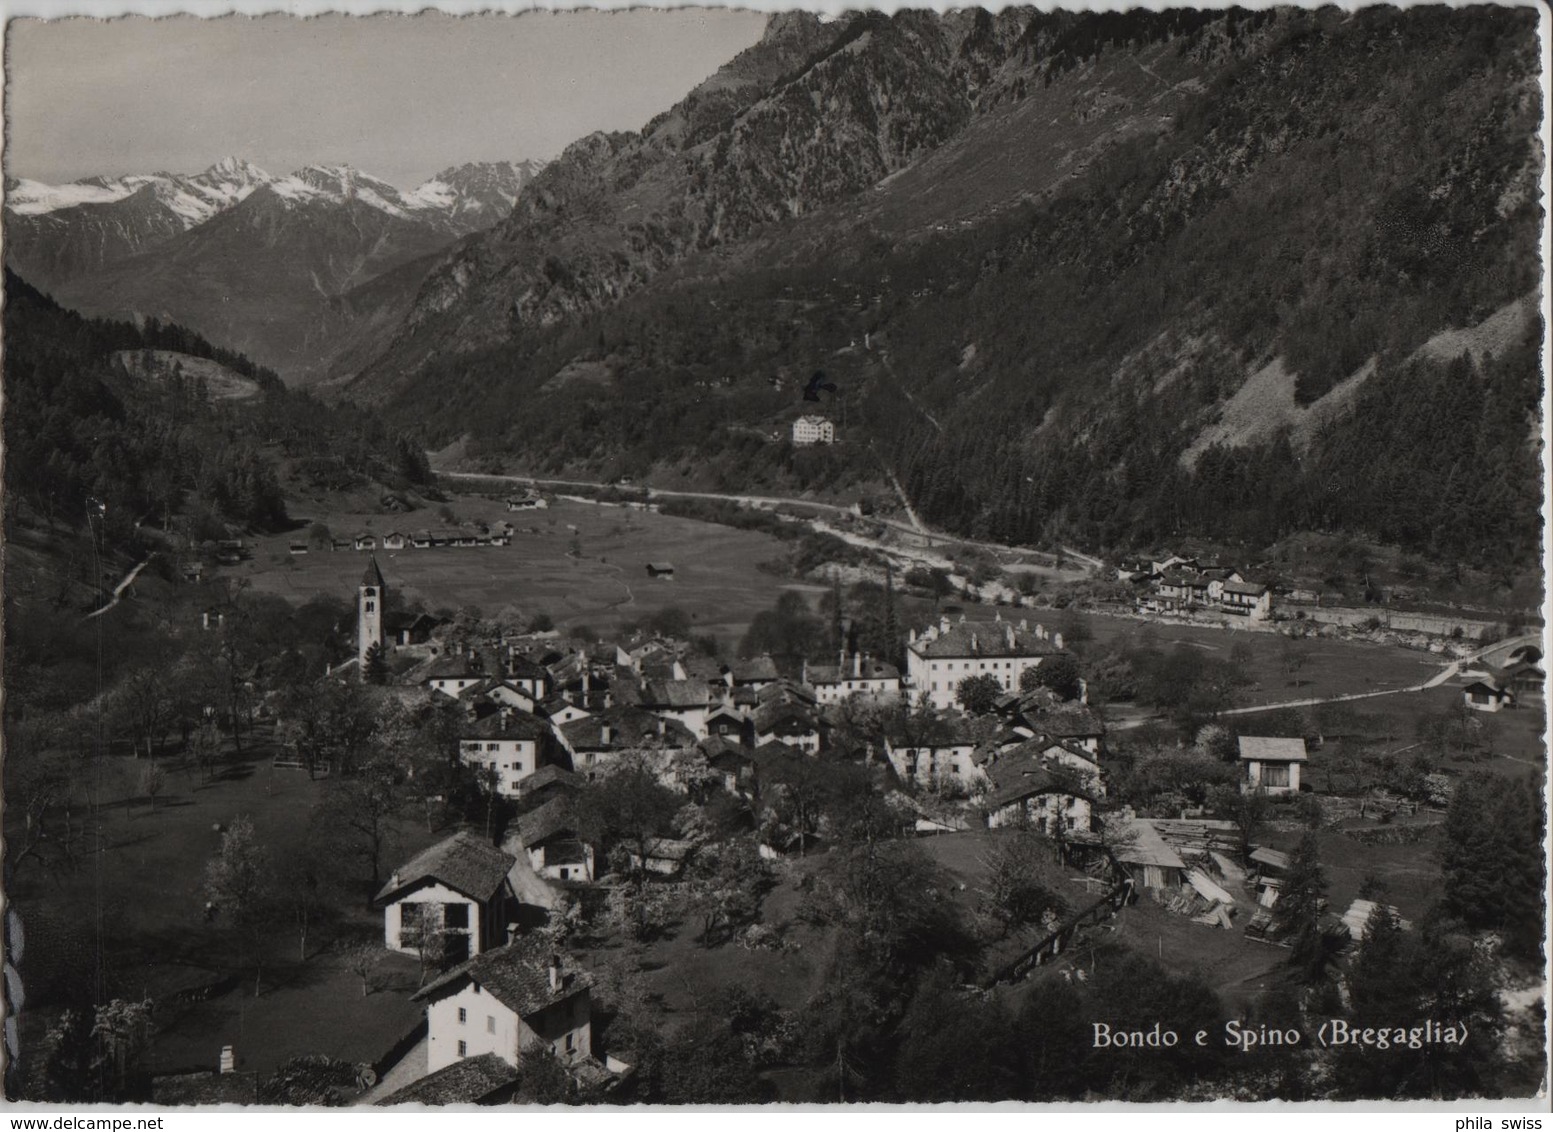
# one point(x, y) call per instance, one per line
point(369, 611)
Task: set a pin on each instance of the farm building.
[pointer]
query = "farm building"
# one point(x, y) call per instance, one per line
point(458, 887)
point(1487, 694)
point(660, 569)
point(1272, 764)
point(506, 1002)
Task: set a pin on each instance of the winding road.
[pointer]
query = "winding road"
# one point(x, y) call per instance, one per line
point(771, 501)
point(127, 581)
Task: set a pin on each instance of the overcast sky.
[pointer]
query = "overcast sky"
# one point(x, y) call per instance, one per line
point(400, 97)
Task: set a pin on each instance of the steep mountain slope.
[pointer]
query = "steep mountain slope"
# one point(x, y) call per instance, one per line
point(249, 258)
point(259, 277)
point(1080, 235)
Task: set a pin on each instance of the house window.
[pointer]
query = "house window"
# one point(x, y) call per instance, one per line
point(1275, 774)
point(463, 1049)
point(370, 606)
point(493, 746)
point(463, 1016)
point(571, 1042)
point(456, 916)
point(490, 1023)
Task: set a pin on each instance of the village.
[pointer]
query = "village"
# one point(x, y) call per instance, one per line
point(644, 770)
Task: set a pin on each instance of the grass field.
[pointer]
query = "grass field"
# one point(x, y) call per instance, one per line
point(716, 579)
point(133, 913)
point(1333, 667)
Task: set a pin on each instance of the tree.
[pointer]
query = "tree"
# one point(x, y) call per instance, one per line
point(1059, 672)
point(205, 748)
point(1492, 862)
point(1293, 652)
point(355, 817)
point(1248, 809)
point(319, 537)
point(542, 1078)
point(979, 694)
point(630, 805)
point(375, 664)
point(361, 960)
point(152, 779)
point(309, 881)
point(238, 881)
point(956, 1047)
point(727, 885)
point(1297, 915)
point(1016, 894)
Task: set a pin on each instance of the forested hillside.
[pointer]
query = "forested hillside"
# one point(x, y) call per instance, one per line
point(84, 437)
point(1089, 232)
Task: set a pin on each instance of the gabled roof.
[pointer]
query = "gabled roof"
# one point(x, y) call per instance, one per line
point(1268, 749)
point(1068, 721)
point(463, 862)
point(450, 666)
point(676, 694)
point(1025, 774)
point(771, 716)
point(951, 730)
point(1139, 843)
point(516, 975)
point(981, 639)
point(630, 726)
point(398, 620)
point(523, 667)
point(1254, 589)
point(556, 816)
point(469, 1080)
point(509, 723)
point(551, 775)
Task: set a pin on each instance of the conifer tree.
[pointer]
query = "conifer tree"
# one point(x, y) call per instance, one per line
point(1297, 915)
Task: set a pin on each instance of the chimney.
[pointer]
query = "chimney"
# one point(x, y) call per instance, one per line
point(943, 623)
point(555, 973)
point(1083, 690)
point(857, 664)
point(663, 727)
point(512, 933)
point(1057, 640)
point(587, 681)
point(1024, 625)
point(228, 1059)
point(1008, 631)
point(803, 671)
point(912, 636)
point(606, 733)
point(609, 698)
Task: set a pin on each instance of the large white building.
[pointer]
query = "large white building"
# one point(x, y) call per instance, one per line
point(813, 429)
point(945, 654)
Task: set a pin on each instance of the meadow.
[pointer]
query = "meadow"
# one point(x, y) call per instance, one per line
point(131, 913)
point(717, 579)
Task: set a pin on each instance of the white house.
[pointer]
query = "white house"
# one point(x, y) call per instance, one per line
point(945, 654)
point(1272, 765)
point(554, 844)
point(937, 753)
point(458, 887)
point(1046, 785)
point(508, 1002)
point(860, 676)
point(1486, 695)
point(507, 742)
point(813, 429)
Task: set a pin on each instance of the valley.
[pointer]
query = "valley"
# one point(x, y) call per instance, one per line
point(914, 538)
